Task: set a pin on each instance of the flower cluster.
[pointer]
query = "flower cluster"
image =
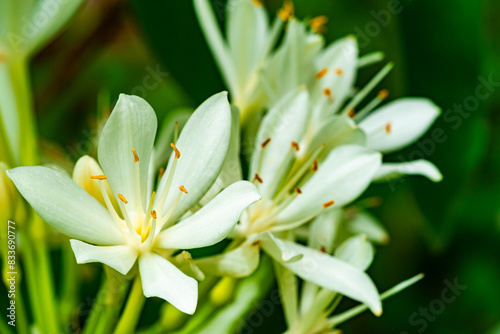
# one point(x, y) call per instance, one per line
point(315, 144)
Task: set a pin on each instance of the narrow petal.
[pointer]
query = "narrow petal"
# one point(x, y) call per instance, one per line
point(162, 279)
point(121, 258)
point(247, 29)
point(399, 123)
point(333, 274)
point(203, 145)
point(389, 171)
point(213, 222)
point(65, 205)
point(239, 262)
point(284, 123)
point(342, 177)
point(357, 251)
point(341, 60)
point(132, 125)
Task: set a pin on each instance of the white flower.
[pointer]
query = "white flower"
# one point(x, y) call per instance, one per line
point(145, 224)
point(241, 56)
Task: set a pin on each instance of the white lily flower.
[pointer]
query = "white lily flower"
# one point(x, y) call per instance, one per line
point(147, 223)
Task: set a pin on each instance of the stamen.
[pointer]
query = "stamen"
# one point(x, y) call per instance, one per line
point(351, 113)
point(128, 221)
point(265, 142)
point(388, 127)
point(183, 189)
point(153, 229)
point(176, 131)
point(298, 190)
point(315, 165)
point(318, 24)
point(164, 220)
point(368, 88)
point(295, 146)
point(153, 214)
point(286, 12)
point(122, 198)
point(166, 188)
point(177, 153)
point(383, 94)
point(328, 204)
point(321, 73)
point(322, 249)
point(257, 178)
point(150, 209)
point(339, 71)
point(136, 157)
point(99, 177)
point(109, 205)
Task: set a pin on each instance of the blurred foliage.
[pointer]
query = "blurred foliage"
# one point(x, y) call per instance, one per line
point(451, 230)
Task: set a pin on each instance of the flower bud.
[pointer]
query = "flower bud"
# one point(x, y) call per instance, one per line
point(85, 168)
point(223, 292)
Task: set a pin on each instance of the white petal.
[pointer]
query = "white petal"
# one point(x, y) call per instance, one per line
point(231, 169)
point(65, 205)
point(333, 274)
point(132, 125)
point(342, 177)
point(162, 279)
point(121, 258)
point(277, 248)
point(324, 229)
point(365, 223)
point(389, 171)
point(213, 222)
point(409, 119)
point(216, 42)
point(356, 251)
point(284, 123)
point(203, 144)
point(239, 262)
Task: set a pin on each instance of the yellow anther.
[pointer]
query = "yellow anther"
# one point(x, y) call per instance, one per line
point(257, 178)
point(315, 165)
point(98, 177)
point(122, 198)
point(286, 12)
point(177, 153)
point(321, 73)
point(383, 94)
point(257, 3)
point(298, 190)
point(265, 142)
point(136, 157)
point(388, 128)
point(339, 71)
point(328, 92)
point(183, 189)
point(162, 171)
point(295, 145)
point(328, 204)
point(351, 113)
point(153, 214)
point(318, 24)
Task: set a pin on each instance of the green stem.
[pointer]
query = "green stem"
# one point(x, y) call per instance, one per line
point(107, 305)
point(21, 317)
point(31, 279)
point(133, 309)
point(69, 285)
point(44, 275)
